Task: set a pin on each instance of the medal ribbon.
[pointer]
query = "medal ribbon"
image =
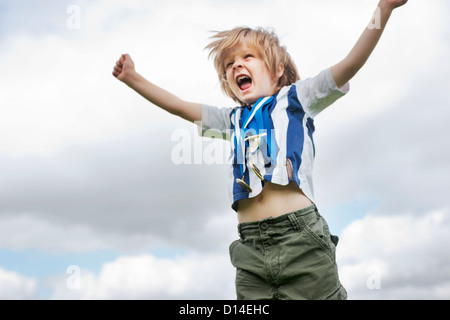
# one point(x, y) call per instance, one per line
point(256, 119)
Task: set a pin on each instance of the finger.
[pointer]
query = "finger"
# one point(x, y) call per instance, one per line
point(126, 57)
point(119, 63)
point(117, 69)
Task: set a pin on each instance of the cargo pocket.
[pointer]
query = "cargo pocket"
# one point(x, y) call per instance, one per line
point(317, 229)
point(230, 249)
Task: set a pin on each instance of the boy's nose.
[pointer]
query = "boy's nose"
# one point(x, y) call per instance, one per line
point(238, 64)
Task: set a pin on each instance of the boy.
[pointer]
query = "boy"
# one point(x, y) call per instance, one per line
point(285, 250)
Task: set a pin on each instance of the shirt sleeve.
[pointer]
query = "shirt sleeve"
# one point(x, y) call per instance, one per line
point(216, 122)
point(317, 93)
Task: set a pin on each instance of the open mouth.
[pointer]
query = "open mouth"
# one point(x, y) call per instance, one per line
point(244, 82)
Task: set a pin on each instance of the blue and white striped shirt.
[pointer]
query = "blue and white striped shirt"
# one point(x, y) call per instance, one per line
point(293, 126)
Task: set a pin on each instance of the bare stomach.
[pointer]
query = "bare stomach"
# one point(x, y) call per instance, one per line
point(273, 201)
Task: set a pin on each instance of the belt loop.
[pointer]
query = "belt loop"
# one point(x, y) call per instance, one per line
point(294, 220)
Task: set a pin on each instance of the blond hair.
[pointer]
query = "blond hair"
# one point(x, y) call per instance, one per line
point(264, 41)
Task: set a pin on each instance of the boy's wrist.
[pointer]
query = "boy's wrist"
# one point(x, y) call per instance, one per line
point(385, 6)
point(131, 78)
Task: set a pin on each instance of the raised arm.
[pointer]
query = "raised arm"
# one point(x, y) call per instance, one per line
point(124, 71)
point(350, 65)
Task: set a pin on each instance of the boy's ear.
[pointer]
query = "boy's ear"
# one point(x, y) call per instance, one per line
point(280, 71)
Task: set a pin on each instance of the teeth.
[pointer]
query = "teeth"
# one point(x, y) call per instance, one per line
point(242, 78)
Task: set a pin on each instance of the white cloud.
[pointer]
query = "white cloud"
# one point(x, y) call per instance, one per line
point(397, 257)
point(16, 286)
point(193, 276)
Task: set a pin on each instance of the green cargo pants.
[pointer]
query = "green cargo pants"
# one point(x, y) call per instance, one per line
point(288, 257)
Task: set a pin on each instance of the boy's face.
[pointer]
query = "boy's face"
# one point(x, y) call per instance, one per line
point(248, 76)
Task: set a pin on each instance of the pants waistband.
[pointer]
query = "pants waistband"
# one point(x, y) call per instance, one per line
point(286, 220)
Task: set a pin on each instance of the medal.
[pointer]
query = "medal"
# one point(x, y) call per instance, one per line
point(257, 172)
point(289, 169)
point(243, 185)
point(254, 142)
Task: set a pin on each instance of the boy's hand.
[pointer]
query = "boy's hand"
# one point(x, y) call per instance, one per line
point(123, 68)
point(392, 4)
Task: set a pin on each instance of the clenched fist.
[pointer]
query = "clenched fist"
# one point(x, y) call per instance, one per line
point(123, 68)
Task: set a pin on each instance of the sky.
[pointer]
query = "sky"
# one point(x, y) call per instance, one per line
point(96, 204)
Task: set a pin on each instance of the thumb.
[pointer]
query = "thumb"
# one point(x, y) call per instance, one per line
point(126, 56)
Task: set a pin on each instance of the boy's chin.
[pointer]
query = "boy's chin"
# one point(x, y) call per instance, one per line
point(247, 100)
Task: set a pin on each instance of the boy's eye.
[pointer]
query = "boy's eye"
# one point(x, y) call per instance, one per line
point(228, 65)
point(248, 56)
